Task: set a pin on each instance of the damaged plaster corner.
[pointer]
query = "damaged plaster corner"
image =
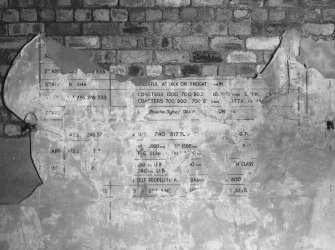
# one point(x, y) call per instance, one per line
point(69, 59)
point(276, 71)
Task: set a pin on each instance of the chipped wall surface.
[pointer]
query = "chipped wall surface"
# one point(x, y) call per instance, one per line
point(189, 163)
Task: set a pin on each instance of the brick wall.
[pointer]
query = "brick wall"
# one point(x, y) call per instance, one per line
point(161, 38)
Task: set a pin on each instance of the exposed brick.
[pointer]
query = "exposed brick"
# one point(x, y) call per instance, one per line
point(329, 15)
point(101, 15)
point(206, 56)
point(190, 70)
point(188, 14)
point(172, 70)
point(154, 42)
point(260, 68)
point(64, 15)
point(12, 130)
point(133, 28)
point(262, 43)
point(82, 42)
point(171, 56)
point(118, 42)
point(173, 29)
point(208, 2)
point(209, 70)
point(119, 15)
point(318, 29)
point(246, 70)
point(279, 3)
point(135, 70)
point(205, 14)
point(313, 15)
point(223, 15)
point(171, 14)
point(12, 43)
point(172, 3)
point(101, 28)
point(190, 42)
point(209, 28)
point(119, 69)
point(3, 3)
point(134, 56)
point(4, 114)
point(241, 57)
point(267, 56)
point(153, 15)
point(28, 15)
point(101, 2)
point(104, 56)
point(21, 3)
point(241, 14)
point(294, 14)
point(83, 15)
point(272, 29)
point(276, 15)
point(3, 29)
point(259, 14)
point(241, 28)
point(6, 57)
point(19, 29)
point(46, 15)
point(57, 3)
point(226, 43)
point(10, 16)
point(63, 29)
point(136, 15)
point(154, 70)
point(227, 70)
point(137, 3)
point(76, 4)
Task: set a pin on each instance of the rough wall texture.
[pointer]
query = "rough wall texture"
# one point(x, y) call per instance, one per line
point(161, 38)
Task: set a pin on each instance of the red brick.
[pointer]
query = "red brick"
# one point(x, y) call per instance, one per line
point(276, 15)
point(210, 28)
point(223, 14)
point(119, 15)
point(64, 15)
point(208, 2)
point(101, 28)
point(101, 2)
point(188, 14)
point(241, 28)
point(172, 56)
point(209, 70)
point(12, 130)
point(136, 15)
point(46, 15)
point(3, 3)
point(82, 42)
point(173, 29)
point(259, 14)
point(171, 14)
point(101, 15)
point(172, 3)
point(28, 15)
point(63, 29)
point(3, 29)
point(10, 16)
point(21, 3)
point(153, 15)
point(83, 15)
point(205, 14)
point(104, 56)
point(19, 29)
point(191, 42)
point(137, 3)
point(12, 43)
point(118, 42)
point(172, 70)
point(134, 56)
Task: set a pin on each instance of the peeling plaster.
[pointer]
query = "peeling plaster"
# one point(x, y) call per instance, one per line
point(240, 163)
